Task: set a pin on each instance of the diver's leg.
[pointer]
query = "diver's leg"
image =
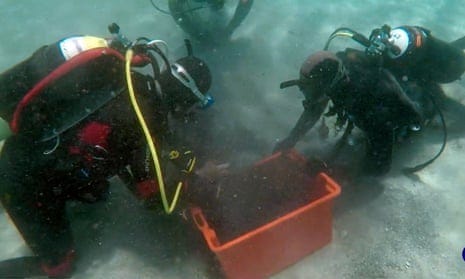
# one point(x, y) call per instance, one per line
point(242, 10)
point(37, 212)
point(378, 155)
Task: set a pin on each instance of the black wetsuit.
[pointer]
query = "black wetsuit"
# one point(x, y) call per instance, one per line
point(385, 96)
point(37, 177)
point(374, 101)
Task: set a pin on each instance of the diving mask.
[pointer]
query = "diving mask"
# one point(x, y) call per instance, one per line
point(180, 73)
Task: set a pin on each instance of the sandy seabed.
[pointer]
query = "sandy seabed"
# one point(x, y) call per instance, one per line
point(391, 227)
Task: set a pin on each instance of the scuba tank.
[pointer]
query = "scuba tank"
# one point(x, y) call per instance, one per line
point(17, 81)
point(41, 96)
point(51, 101)
point(410, 52)
point(422, 56)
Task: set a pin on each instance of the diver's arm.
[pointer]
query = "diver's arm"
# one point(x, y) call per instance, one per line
point(242, 10)
point(140, 176)
point(392, 86)
point(378, 155)
point(311, 114)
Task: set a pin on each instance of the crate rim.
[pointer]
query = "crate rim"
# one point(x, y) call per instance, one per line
point(330, 185)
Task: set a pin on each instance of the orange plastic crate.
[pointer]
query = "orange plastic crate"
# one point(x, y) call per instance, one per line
point(274, 246)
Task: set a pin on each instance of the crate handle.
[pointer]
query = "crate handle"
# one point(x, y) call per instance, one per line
point(199, 220)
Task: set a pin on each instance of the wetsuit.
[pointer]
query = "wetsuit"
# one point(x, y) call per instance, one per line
point(377, 103)
point(38, 177)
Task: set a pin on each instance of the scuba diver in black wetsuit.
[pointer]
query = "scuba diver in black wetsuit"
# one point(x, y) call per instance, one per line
point(189, 15)
point(82, 112)
point(388, 91)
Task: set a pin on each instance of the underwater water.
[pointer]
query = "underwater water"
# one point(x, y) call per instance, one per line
point(390, 227)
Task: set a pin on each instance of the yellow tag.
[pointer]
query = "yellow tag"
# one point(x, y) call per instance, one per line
point(73, 46)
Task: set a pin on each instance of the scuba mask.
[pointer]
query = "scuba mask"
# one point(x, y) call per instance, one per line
point(180, 73)
point(176, 77)
point(319, 71)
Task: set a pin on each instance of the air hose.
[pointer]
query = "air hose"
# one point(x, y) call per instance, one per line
point(347, 32)
point(409, 170)
point(169, 208)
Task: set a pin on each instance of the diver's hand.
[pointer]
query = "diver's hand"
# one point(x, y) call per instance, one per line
point(212, 171)
point(315, 165)
point(205, 185)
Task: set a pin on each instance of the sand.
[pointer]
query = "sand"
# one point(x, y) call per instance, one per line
point(390, 227)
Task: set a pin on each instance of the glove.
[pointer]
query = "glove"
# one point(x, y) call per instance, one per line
point(212, 171)
point(147, 191)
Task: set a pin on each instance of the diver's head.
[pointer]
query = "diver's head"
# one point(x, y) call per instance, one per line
point(321, 71)
point(186, 84)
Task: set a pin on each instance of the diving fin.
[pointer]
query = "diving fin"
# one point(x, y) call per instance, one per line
point(22, 267)
point(460, 43)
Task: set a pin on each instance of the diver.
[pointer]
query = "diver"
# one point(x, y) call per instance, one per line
point(205, 19)
point(83, 110)
point(389, 91)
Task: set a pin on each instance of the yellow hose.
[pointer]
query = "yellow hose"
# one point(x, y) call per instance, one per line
point(168, 208)
point(343, 34)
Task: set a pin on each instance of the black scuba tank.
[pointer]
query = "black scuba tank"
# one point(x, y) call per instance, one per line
point(59, 85)
point(423, 56)
point(19, 79)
